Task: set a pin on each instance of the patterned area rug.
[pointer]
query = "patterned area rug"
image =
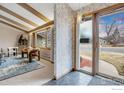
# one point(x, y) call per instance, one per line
point(14, 66)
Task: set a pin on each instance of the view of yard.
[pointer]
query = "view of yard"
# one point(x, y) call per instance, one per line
point(113, 56)
point(111, 45)
point(115, 59)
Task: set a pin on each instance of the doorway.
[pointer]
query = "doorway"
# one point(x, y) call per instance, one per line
point(86, 44)
point(108, 46)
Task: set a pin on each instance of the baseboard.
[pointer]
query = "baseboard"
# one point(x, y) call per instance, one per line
point(47, 60)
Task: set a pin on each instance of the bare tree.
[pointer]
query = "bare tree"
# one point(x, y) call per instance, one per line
point(113, 35)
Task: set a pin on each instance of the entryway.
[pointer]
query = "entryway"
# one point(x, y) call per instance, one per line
point(101, 44)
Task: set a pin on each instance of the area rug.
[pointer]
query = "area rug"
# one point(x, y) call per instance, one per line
point(15, 66)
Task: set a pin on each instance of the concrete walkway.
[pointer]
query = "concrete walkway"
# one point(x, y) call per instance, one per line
point(105, 68)
point(109, 69)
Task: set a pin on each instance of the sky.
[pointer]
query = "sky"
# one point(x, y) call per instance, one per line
point(86, 27)
point(119, 17)
point(109, 19)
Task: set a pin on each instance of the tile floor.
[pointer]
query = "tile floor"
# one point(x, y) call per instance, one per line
point(79, 78)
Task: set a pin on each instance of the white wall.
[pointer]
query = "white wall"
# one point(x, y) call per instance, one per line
point(8, 36)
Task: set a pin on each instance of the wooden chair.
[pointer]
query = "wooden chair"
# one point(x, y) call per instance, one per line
point(34, 53)
point(25, 51)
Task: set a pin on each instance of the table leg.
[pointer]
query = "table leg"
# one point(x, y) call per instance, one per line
point(22, 55)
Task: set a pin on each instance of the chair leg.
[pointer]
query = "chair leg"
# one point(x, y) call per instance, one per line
point(39, 55)
point(30, 58)
point(38, 58)
point(22, 55)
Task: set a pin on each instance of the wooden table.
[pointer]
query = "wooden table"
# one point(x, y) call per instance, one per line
point(31, 53)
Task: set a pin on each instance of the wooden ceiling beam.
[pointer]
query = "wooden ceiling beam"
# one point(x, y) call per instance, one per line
point(14, 22)
point(44, 26)
point(18, 16)
point(33, 11)
point(111, 8)
point(13, 26)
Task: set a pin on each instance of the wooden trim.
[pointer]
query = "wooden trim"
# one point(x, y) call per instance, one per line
point(74, 43)
point(33, 11)
point(95, 34)
point(17, 16)
point(95, 45)
point(46, 38)
point(77, 42)
point(110, 11)
point(12, 26)
point(112, 7)
point(104, 13)
point(42, 29)
point(33, 40)
point(44, 26)
point(14, 22)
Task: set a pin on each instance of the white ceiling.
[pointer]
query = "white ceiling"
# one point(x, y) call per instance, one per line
point(15, 19)
point(47, 9)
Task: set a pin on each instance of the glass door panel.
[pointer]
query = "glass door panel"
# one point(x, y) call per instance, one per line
point(86, 44)
point(111, 44)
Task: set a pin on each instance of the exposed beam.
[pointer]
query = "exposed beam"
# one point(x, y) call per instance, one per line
point(109, 8)
point(12, 26)
point(14, 22)
point(17, 16)
point(44, 26)
point(35, 12)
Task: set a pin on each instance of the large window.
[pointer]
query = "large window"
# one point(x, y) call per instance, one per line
point(44, 39)
point(111, 44)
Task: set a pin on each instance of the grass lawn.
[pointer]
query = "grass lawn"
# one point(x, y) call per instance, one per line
point(113, 58)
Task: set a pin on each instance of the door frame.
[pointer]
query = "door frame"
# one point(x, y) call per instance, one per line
point(95, 31)
point(78, 45)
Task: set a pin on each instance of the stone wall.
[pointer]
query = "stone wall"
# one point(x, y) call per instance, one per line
point(64, 25)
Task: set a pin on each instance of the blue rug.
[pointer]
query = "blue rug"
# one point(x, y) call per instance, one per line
point(14, 66)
